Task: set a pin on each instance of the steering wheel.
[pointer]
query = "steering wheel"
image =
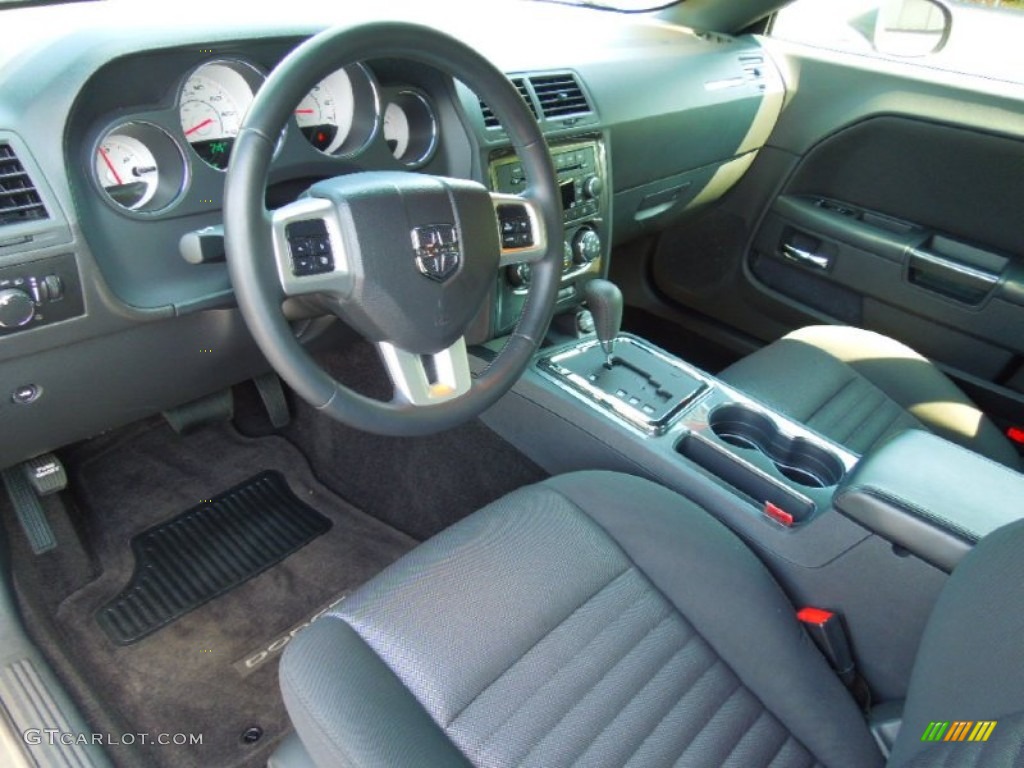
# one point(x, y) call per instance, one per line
point(409, 258)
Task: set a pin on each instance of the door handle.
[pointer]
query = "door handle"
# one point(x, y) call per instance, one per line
point(808, 259)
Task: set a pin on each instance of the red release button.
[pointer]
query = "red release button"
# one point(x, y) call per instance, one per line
point(814, 615)
point(778, 514)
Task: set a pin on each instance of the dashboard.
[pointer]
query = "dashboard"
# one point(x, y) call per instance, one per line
point(115, 134)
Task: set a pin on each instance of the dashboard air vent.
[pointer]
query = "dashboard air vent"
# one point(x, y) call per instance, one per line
point(19, 199)
point(715, 37)
point(491, 121)
point(559, 95)
point(753, 69)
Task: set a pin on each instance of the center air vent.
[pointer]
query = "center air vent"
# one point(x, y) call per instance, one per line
point(19, 199)
point(491, 120)
point(753, 69)
point(559, 95)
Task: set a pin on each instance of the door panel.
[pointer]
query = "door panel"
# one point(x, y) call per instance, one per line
point(888, 198)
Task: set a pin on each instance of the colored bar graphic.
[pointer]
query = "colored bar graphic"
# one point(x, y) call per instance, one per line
point(935, 731)
point(958, 730)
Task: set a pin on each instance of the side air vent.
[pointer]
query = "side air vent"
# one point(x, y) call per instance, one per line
point(559, 95)
point(753, 69)
point(491, 121)
point(715, 37)
point(19, 198)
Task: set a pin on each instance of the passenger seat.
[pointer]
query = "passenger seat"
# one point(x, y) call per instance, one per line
point(859, 388)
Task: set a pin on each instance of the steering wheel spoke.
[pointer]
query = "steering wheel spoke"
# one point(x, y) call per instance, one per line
point(428, 379)
point(521, 224)
point(309, 250)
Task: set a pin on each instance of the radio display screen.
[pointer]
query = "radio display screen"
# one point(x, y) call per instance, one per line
point(568, 189)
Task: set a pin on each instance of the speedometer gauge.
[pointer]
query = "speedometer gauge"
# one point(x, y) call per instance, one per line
point(139, 167)
point(341, 114)
point(212, 105)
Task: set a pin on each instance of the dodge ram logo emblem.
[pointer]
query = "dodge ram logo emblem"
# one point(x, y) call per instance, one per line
point(437, 250)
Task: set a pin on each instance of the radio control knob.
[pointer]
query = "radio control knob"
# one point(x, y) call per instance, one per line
point(586, 246)
point(593, 187)
point(16, 308)
point(518, 275)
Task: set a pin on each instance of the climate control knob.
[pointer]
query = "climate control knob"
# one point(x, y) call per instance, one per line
point(16, 308)
point(586, 246)
point(593, 187)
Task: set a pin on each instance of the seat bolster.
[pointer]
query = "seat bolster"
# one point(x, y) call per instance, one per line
point(970, 661)
point(729, 596)
point(357, 713)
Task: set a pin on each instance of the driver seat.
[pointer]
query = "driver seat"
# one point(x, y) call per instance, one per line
point(600, 619)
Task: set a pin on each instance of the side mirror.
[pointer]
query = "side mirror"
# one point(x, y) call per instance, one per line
point(906, 28)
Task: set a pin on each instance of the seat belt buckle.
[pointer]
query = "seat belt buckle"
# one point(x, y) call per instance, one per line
point(827, 631)
point(1016, 435)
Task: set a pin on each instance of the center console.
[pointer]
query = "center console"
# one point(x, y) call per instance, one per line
point(581, 168)
point(788, 472)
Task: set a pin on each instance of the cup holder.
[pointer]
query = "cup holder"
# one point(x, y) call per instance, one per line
point(796, 458)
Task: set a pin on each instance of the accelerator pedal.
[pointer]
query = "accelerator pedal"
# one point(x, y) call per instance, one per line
point(25, 483)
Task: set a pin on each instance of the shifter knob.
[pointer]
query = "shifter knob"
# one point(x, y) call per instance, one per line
point(605, 302)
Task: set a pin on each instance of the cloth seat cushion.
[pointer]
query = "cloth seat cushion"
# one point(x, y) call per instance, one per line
point(859, 388)
point(593, 619)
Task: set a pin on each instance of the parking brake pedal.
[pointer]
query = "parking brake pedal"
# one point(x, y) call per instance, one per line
point(25, 483)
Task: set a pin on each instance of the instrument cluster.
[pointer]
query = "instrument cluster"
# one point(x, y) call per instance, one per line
point(144, 166)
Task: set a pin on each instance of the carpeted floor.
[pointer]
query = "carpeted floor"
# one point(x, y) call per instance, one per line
point(201, 674)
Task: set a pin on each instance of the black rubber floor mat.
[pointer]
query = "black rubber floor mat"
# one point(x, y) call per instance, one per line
point(187, 561)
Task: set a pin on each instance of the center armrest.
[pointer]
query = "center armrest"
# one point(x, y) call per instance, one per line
point(933, 497)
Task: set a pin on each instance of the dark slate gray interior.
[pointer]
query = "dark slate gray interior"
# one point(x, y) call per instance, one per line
point(830, 243)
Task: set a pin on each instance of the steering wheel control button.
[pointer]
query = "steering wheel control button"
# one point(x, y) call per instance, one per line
point(437, 250)
point(310, 247)
point(26, 394)
point(515, 227)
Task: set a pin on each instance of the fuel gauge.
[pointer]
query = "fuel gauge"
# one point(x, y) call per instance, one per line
point(139, 167)
point(127, 171)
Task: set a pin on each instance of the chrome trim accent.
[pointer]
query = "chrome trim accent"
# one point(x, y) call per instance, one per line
point(408, 373)
point(436, 250)
point(532, 253)
point(337, 282)
point(808, 259)
point(586, 391)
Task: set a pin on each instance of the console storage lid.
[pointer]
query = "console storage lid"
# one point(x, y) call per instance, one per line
point(930, 496)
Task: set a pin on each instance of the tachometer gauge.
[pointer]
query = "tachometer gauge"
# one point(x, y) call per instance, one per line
point(212, 105)
point(127, 170)
point(139, 167)
point(341, 114)
point(410, 128)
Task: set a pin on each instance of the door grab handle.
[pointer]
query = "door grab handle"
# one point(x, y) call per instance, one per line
point(800, 256)
point(964, 270)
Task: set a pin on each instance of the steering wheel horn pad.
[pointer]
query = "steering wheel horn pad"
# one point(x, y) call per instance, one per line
point(388, 281)
point(421, 254)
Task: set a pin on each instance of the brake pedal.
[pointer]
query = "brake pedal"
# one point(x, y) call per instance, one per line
point(272, 395)
point(25, 483)
point(212, 409)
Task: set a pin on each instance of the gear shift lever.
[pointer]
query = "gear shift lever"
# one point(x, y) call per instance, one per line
point(605, 302)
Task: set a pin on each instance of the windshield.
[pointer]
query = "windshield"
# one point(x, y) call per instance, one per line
point(620, 6)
